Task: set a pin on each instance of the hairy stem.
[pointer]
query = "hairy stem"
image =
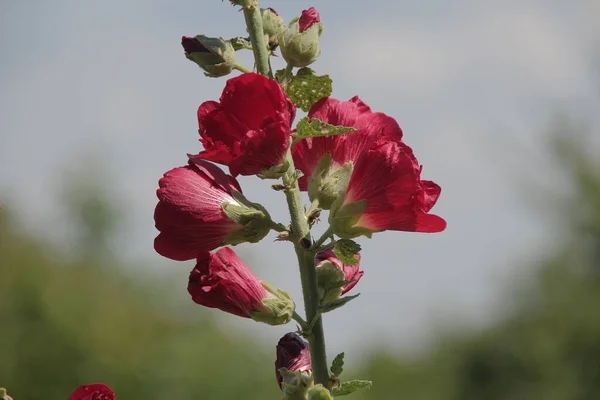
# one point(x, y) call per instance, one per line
point(308, 275)
point(300, 229)
point(254, 24)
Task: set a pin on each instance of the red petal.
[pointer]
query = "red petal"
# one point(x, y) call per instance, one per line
point(307, 19)
point(262, 148)
point(387, 177)
point(221, 280)
point(370, 128)
point(189, 215)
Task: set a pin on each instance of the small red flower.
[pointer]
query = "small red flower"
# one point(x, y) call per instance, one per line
point(221, 280)
point(308, 18)
point(351, 272)
point(189, 215)
point(370, 127)
point(292, 353)
point(249, 128)
point(95, 391)
point(386, 179)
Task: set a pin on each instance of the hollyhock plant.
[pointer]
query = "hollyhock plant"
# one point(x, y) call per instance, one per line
point(201, 208)
point(322, 160)
point(386, 192)
point(249, 128)
point(95, 391)
point(331, 269)
point(221, 280)
point(349, 159)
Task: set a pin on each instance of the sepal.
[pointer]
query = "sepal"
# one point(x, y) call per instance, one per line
point(254, 218)
point(279, 307)
point(327, 183)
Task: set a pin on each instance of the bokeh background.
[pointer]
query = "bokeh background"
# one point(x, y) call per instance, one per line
point(500, 102)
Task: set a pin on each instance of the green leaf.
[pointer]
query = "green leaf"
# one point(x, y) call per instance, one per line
point(332, 305)
point(351, 387)
point(312, 127)
point(345, 249)
point(337, 366)
point(305, 88)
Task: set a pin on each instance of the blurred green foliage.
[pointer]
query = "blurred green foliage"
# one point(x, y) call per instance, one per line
point(72, 320)
point(65, 322)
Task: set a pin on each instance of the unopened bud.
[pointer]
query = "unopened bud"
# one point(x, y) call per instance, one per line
point(300, 41)
point(214, 55)
point(272, 26)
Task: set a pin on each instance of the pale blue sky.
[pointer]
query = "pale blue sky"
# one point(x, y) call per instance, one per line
point(472, 84)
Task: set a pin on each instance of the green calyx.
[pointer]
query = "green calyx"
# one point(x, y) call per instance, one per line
point(296, 384)
point(254, 218)
point(278, 307)
point(217, 58)
point(344, 217)
point(300, 49)
point(327, 274)
point(327, 183)
point(276, 171)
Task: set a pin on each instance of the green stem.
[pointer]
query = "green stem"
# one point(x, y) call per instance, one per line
point(328, 233)
point(303, 324)
point(241, 68)
point(308, 275)
point(300, 228)
point(257, 37)
point(287, 73)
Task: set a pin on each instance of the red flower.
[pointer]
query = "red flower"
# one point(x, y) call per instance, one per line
point(385, 192)
point(351, 272)
point(190, 213)
point(369, 126)
point(308, 18)
point(221, 280)
point(95, 391)
point(292, 353)
point(249, 129)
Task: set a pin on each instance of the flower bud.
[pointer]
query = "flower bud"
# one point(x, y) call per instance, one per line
point(300, 41)
point(221, 280)
point(293, 367)
point(95, 391)
point(214, 55)
point(272, 26)
point(329, 270)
